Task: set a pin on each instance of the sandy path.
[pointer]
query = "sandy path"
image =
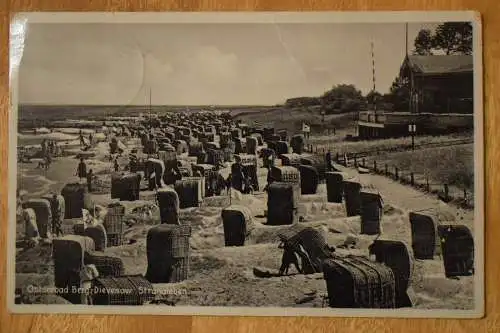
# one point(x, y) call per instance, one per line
point(408, 198)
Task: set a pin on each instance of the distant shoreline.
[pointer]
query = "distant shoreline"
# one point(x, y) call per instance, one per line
point(146, 106)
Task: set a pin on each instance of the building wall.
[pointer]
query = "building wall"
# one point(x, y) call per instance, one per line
point(450, 93)
point(395, 124)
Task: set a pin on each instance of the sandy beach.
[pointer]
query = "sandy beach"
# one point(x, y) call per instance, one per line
point(213, 265)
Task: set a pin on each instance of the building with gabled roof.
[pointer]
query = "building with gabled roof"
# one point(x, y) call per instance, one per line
point(439, 83)
point(441, 98)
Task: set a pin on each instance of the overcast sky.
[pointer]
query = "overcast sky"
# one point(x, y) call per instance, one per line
point(201, 64)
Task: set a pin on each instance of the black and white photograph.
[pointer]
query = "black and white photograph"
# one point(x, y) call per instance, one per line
point(268, 164)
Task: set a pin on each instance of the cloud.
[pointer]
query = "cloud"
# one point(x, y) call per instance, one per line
point(203, 74)
point(210, 63)
point(208, 75)
point(202, 64)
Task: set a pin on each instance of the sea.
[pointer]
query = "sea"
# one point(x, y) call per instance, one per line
point(60, 135)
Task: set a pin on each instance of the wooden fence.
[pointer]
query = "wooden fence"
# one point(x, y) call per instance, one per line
point(463, 197)
point(445, 192)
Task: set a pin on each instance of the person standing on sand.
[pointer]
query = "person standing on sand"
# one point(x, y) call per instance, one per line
point(56, 217)
point(87, 275)
point(48, 161)
point(269, 178)
point(90, 175)
point(229, 183)
point(328, 159)
point(248, 185)
point(81, 171)
point(44, 147)
point(116, 165)
point(57, 151)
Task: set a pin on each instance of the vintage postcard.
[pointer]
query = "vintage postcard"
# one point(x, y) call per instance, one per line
point(269, 164)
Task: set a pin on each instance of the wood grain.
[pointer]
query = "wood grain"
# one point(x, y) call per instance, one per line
point(490, 10)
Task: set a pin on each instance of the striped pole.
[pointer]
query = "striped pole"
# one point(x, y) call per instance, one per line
point(373, 77)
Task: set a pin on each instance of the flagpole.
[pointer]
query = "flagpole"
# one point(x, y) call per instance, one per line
point(410, 100)
point(406, 38)
point(373, 78)
point(150, 124)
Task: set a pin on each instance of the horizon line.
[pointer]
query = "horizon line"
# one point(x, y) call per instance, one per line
point(154, 105)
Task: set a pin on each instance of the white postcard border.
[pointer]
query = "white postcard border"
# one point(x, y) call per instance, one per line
point(273, 18)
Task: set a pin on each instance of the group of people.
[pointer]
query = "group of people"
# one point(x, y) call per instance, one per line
point(82, 140)
point(49, 149)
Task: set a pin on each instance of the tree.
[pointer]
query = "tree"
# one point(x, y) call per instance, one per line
point(399, 94)
point(450, 37)
point(302, 101)
point(374, 97)
point(343, 98)
point(454, 38)
point(423, 43)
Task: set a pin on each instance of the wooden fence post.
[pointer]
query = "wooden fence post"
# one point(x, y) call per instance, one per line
point(396, 172)
point(427, 186)
point(412, 179)
point(446, 191)
point(465, 195)
point(375, 165)
point(386, 169)
point(355, 161)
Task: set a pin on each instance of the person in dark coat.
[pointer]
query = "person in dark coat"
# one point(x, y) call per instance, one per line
point(90, 174)
point(328, 159)
point(269, 179)
point(133, 163)
point(44, 147)
point(237, 176)
point(116, 165)
point(248, 185)
point(81, 172)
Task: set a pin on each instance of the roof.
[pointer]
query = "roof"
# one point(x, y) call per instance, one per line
point(439, 64)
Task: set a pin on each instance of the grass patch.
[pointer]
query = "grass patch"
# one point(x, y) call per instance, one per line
point(336, 144)
point(451, 165)
point(291, 119)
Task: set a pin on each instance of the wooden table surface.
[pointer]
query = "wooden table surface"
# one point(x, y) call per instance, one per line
point(490, 10)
